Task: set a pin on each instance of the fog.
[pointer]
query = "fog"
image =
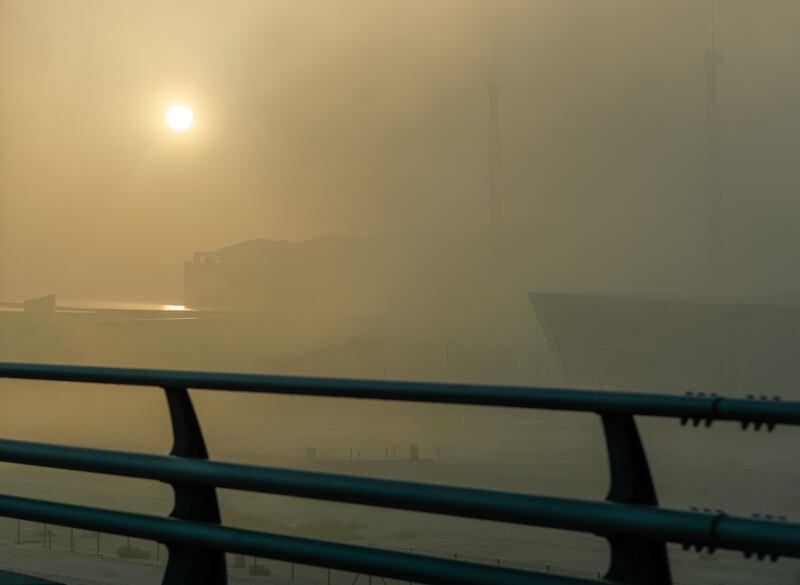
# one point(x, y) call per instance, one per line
point(338, 187)
point(360, 118)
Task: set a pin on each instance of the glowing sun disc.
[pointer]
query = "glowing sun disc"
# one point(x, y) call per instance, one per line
point(179, 118)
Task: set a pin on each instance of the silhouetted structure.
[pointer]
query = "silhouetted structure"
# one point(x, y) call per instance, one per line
point(672, 343)
point(402, 273)
point(494, 90)
point(45, 304)
point(713, 58)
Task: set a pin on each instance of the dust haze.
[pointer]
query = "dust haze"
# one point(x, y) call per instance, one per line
point(363, 117)
point(346, 205)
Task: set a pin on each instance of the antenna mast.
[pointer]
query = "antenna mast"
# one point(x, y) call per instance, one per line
point(494, 90)
point(713, 59)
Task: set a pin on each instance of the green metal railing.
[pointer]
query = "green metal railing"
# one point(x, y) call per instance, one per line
point(630, 518)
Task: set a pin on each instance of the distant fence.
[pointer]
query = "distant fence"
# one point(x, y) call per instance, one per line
point(631, 520)
point(413, 452)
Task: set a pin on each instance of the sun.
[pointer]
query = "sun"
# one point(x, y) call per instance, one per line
point(179, 118)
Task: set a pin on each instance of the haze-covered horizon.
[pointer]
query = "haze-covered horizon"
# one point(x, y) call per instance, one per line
point(363, 118)
point(310, 188)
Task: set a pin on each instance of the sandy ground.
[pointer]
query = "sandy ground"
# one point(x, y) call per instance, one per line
point(488, 542)
point(86, 569)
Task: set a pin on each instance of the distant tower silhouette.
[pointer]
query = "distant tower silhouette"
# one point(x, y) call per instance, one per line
point(713, 186)
point(494, 90)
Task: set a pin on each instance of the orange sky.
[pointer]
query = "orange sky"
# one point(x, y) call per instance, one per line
point(360, 117)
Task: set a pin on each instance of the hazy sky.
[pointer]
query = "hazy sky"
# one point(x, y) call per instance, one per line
point(359, 116)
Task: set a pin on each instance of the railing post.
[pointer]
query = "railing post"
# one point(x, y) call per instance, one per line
point(633, 561)
point(189, 566)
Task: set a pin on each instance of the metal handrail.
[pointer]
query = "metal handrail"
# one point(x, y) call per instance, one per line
point(630, 519)
point(766, 409)
point(208, 537)
point(603, 518)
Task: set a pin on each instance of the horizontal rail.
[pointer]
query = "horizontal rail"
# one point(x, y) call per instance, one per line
point(636, 528)
point(600, 402)
point(345, 557)
point(603, 518)
point(532, 510)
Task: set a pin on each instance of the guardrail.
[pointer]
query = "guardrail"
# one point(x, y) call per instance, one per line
point(630, 518)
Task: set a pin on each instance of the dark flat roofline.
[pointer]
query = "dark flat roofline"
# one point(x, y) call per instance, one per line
point(788, 300)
